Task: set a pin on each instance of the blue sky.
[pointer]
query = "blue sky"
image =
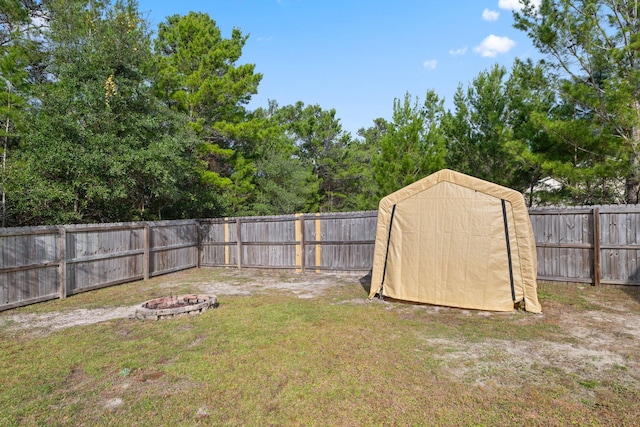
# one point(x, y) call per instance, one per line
point(358, 56)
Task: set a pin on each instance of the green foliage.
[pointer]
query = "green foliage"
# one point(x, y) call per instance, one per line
point(197, 71)
point(491, 133)
point(197, 75)
point(285, 184)
point(20, 49)
point(98, 126)
point(323, 146)
point(584, 159)
point(592, 49)
point(413, 145)
point(275, 179)
point(362, 153)
point(102, 146)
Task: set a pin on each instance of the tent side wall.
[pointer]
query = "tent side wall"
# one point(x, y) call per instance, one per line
point(458, 194)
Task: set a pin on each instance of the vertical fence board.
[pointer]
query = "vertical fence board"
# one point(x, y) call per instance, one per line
point(319, 237)
point(310, 249)
point(146, 244)
point(300, 250)
point(62, 262)
point(239, 243)
point(597, 254)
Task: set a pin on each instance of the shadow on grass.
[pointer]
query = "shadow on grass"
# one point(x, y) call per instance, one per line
point(365, 282)
point(633, 291)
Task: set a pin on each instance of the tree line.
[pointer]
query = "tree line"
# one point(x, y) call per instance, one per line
point(104, 121)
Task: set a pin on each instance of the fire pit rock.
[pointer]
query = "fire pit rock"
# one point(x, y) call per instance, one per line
point(166, 307)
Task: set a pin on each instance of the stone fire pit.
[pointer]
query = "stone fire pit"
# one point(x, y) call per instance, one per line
point(165, 307)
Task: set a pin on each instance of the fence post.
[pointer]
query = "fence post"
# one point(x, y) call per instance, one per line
point(303, 243)
point(318, 246)
point(146, 265)
point(299, 237)
point(596, 247)
point(227, 249)
point(198, 244)
point(239, 242)
point(62, 262)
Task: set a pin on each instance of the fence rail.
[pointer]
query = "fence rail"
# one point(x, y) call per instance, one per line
point(594, 244)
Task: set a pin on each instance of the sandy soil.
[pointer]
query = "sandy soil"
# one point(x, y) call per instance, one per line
point(238, 282)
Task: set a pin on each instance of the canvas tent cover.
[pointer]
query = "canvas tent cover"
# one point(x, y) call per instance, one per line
point(454, 240)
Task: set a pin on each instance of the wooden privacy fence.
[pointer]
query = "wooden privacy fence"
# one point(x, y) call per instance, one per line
point(589, 244)
point(43, 263)
point(598, 244)
point(342, 241)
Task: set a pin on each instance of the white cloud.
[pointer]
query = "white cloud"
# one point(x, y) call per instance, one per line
point(490, 15)
point(493, 45)
point(516, 4)
point(430, 65)
point(458, 52)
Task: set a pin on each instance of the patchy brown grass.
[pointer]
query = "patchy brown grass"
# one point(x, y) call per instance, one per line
point(292, 349)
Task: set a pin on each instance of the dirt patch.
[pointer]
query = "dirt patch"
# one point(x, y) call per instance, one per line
point(493, 360)
point(59, 320)
point(249, 282)
point(231, 282)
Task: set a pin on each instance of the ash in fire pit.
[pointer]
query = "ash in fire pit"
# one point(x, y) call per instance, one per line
point(161, 308)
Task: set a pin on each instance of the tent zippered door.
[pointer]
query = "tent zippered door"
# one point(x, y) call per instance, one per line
point(506, 234)
point(386, 256)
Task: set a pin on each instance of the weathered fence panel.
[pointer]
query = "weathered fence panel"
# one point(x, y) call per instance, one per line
point(173, 246)
point(620, 245)
point(42, 263)
point(564, 241)
point(103, 255)
point(340, 241)
point(268, 242)
point(215, 246)
point(588, 244)
point(28, 266)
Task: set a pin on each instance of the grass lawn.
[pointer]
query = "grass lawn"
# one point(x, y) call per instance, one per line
point(275, 355)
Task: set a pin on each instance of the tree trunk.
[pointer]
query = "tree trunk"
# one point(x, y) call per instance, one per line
point(4, 161)
point(632, 186)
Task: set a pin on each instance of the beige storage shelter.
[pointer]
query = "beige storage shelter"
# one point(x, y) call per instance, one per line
point(454, 240)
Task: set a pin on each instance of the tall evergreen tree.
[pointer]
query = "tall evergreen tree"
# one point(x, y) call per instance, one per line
point(20, 48)
point(281, 182)
point(488, 118)
point(530, 99)
point(322, 145)
point(362, 154)
point(198, 75)
point(413, 145)
point(592, 48)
